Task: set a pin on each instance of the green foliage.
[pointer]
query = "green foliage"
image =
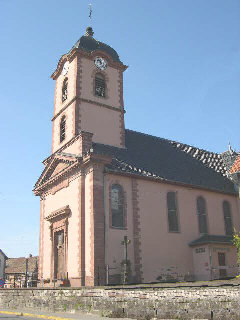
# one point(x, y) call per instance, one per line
point(236, 242)
point(64, 307)
point(89, 308)
point(106, 313)
point(79, 305)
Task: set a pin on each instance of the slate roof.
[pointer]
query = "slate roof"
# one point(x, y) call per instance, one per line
point(207, 238)
point(18, 265)
point(89, 44)
point(168, 160)
point(3, 254)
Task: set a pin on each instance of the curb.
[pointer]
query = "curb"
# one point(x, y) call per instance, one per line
point(31, 315)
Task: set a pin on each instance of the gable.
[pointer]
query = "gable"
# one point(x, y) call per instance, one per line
point(58, 164)
point(59, 167)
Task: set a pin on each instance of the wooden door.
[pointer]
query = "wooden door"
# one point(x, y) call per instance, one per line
point(222, 262)
point(59, 255)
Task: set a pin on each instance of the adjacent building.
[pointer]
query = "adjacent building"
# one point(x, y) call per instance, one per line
point(3, 259)
point(21, 272)
point(105, 188)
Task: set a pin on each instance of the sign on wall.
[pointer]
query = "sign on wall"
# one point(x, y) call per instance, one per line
point(1, 283)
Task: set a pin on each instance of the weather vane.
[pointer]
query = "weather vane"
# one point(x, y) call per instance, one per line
point(90, 13)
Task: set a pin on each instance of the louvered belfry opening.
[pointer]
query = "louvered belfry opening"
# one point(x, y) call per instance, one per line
point(62, 128)
point(100, 86)
point(65, 90)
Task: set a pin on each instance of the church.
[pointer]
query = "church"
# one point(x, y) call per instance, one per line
point(119, 205)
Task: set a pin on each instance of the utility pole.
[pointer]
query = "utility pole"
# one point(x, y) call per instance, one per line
point(26, 273)
point(125, 243)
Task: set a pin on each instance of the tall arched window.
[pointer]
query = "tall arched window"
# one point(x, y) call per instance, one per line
point(172, 212)
point(202, 215)
point(227, 218)
point(117, 206)
point(62, 128)
point(65, 90)
point(100, 85)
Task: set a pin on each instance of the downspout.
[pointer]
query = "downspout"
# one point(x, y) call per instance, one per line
point(210, 259)
point(104, 210)
point(238, 269)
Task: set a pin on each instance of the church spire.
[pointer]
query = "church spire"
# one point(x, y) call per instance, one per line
point(89, 30)
point(90, 13)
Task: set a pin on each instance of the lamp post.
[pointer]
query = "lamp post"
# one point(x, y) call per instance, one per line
point(125, 243)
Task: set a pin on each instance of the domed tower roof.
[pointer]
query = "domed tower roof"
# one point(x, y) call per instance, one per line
point(89, 44)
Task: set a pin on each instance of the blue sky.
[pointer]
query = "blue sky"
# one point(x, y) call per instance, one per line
point(182, 84)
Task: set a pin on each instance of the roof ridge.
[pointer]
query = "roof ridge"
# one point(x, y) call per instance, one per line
point(171, 141)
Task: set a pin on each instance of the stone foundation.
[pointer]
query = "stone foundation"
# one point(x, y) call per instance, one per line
point(179, 302)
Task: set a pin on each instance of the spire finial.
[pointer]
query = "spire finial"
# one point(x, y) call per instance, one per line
point(90, 14)
point(230, 148)
point(89, 30)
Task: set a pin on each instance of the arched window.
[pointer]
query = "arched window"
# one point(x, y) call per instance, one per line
point(202, 216)
point(117, 206)
point(227, 218)
point(172, 212)
point(62, 128)
point(65, 90)
point(100, 85)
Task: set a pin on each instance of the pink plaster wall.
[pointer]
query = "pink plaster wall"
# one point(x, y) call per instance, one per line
point(172, 248)
point(63, 197)
point(167, 253)
point(88, 208)
point(103, 123)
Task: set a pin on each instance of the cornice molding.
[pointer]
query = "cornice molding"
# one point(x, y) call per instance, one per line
point(67, 144)
point(89, 55)
point(90, 102)
point(63, 212)
point(165, 181)
point(39, 189)
point(103, 105)
point(65, 107)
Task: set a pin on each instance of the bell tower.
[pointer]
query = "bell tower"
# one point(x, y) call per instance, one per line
point(88, 96)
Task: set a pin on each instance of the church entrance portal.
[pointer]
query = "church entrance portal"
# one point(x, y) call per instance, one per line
point(59, 255)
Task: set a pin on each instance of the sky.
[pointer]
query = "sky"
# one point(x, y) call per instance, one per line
point(182, 84)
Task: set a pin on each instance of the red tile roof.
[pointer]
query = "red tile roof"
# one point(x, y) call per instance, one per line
point(18, 265)
point(236, 166)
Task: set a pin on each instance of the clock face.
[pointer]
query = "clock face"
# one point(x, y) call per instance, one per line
point(65, 68)
point(100, 63)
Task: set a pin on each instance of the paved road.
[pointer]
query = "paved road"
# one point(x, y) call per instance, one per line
point(52, 316)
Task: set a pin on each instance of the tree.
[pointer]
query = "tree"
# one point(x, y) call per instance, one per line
point(236, 242)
